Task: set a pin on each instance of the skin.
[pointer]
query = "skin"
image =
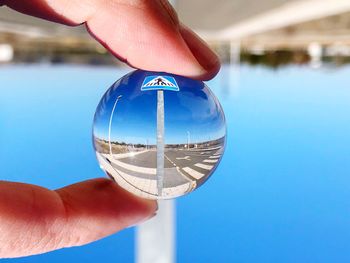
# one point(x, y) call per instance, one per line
point(35, 220)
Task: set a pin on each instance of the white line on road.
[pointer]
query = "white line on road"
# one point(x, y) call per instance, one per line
point(133, 168)
point(128, 154)
point(206, 150)
point(169, 160)
point(178, 168)
point(193, 173)
point(183, 158)
point(186, 177)
point(210, 161)
point(204, 166)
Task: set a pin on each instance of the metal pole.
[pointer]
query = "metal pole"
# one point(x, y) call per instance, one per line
point(160, 141)
point(155, 239)
point(235, 68)
point(188, 140)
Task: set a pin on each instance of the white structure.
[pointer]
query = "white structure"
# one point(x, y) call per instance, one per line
point(6, 52)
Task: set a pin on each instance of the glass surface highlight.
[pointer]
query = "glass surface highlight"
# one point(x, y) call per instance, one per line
point(159, 135)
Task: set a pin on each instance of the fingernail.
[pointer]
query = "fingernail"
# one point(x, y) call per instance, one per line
point(200, 50)
point(154, 214)
point(170, 11)
point(147, 218)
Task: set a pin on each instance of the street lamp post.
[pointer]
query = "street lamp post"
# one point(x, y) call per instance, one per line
point(188, 140)
point(110, 125)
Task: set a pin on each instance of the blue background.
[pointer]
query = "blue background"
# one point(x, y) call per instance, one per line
point(281, 193)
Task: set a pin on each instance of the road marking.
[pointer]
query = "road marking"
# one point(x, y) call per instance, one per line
point(128, 154)
point(214, 156)
point(206, 150)
point(204, 166)
point(170, 160)
point(147, 185)
point(193, 173)
point(133, 168)
point(210, 161)
point(187, 178)
point(128, 181)
point(178, 169)
point(184, 158)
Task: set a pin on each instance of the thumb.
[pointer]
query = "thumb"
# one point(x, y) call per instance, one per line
point(35, 220)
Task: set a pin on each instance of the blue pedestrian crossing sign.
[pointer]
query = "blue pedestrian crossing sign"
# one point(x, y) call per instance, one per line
point(159, 83)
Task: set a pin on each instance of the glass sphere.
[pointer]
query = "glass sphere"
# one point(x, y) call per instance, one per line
point(159, 135)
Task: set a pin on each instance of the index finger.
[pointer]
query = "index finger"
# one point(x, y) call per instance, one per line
point(144, 34)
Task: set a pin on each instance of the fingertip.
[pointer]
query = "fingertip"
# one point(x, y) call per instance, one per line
point(211, 73)
point(103, 199)
point(140, 209)
point(205, 56)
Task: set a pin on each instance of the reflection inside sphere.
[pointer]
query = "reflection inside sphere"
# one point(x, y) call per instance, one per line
point(159, 135)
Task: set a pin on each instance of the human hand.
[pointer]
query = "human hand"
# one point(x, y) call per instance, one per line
point(144, 33)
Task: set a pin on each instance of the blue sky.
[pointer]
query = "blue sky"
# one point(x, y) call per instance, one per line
point(280, 194)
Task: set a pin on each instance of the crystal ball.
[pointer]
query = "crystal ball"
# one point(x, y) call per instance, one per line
point(159, 135)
